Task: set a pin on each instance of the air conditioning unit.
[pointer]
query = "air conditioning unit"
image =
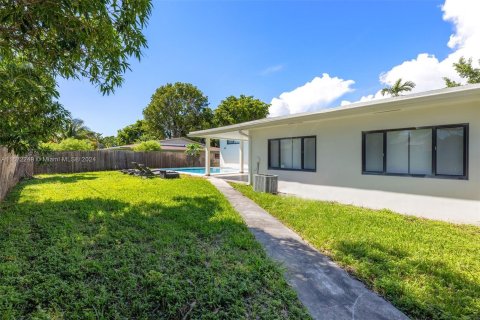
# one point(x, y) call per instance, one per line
point(265, 183)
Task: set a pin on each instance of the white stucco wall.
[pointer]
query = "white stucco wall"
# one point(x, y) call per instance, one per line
point(230, 155)
point(339, 174)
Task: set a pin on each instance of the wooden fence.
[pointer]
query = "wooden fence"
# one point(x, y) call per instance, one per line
point(100, 160)
point(12, 169)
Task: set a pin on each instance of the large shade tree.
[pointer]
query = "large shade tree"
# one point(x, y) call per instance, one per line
point(108, 142)
point(234, 110)
point(176, 109)
point(43, 40)
point(134, 133)
point(83, 38)
point(29, 111)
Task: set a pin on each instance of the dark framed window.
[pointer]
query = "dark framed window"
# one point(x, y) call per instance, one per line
point(233, 142)
point(296, 153)
point(435, 151)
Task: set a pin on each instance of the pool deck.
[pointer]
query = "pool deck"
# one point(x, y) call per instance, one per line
point(200, 171)
point(234, 175)
point(238, 177)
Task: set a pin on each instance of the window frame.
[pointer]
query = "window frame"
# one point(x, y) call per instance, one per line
point(302, 154)
point(434, 174)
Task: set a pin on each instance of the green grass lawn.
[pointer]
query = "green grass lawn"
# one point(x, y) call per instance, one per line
point(428, 269)
point(112, 246)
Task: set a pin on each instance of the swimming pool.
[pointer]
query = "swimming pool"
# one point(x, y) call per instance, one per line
point(201, 170)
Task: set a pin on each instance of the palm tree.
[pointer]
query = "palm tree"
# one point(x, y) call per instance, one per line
point(75, 128)
point(193, 152)
point(398, 87)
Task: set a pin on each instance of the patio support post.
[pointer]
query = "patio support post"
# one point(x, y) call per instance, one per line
point(207, 156)
point(250, 161)
point(241, 157)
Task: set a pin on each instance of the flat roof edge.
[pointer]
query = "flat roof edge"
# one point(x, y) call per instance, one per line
point(462, 91)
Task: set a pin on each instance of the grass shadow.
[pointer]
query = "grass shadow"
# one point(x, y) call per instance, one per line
point(62, 179)
point(428, 269)
point(327, 290)
point(186, 257)
point(386, 269)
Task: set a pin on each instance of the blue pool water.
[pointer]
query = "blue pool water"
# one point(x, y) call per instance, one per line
point(201, 170)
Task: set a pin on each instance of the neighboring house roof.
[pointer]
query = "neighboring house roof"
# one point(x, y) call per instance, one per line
point(181, 148)
point(423, 99)
point(174, 144)
point(178, 142)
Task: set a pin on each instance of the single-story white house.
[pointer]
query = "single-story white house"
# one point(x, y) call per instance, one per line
point(417, 154)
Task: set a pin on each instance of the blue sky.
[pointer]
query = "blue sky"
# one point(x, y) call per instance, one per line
point(266, 48)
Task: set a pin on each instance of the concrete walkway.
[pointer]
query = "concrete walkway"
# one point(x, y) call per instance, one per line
point(325, 289)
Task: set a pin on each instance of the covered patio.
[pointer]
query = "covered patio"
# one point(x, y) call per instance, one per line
point(227, 133)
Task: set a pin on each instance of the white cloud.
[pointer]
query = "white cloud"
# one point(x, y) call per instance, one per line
point(314, 95)
point(426, 70)
point(272, 69)
point(370, 97)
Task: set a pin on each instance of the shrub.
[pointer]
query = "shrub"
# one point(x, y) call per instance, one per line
point(193, 152)
point(151, 145)
point(69, 144)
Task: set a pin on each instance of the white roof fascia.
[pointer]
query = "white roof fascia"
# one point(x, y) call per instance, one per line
point(418, 100)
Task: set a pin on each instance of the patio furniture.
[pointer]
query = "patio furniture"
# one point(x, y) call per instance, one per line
point(147, 172)
point(143, 170)
point(130, 171)
point(139, 170)
point(168, 174)
point(165, 174)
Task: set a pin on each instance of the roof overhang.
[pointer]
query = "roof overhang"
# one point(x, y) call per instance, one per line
point(229, 134)
point(426, 99)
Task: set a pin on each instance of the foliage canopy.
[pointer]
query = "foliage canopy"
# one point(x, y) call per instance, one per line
point(151, 145)
point(466, 71)
point(29, 111)
point(108, 141)
point(193, 150)
point(72, 39)
point(133, 133)
point(234, 110)
point(176, 109)
point(43, 40)
point(76, 128)
point(69, 144)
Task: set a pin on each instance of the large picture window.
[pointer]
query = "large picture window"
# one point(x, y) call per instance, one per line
point(438, 151)
point(298, 153)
